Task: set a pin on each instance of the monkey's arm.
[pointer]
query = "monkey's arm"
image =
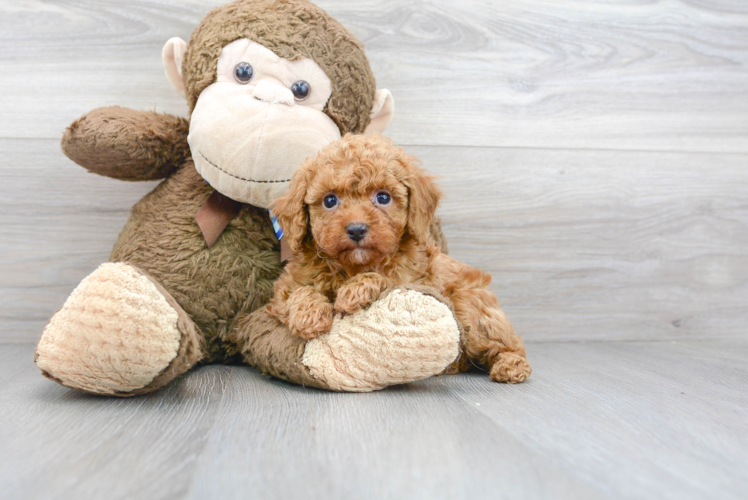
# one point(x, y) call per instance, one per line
point(408, 334)
point(127, 144)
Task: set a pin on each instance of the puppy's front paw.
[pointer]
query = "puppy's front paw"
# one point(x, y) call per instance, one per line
point(311, 322)
point(359, 294)
point(350, 300)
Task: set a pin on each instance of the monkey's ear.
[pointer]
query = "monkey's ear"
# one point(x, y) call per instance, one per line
point(292, 212)
point(381, 112)
point(173, 55)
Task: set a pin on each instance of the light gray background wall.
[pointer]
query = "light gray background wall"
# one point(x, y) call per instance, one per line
point(594, 155)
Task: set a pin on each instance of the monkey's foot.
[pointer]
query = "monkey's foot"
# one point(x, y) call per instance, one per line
point(510, 368)
point(119, 333)
point(404, 336)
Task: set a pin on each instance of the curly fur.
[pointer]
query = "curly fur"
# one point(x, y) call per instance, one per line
point(215, 284)
point(331, 273)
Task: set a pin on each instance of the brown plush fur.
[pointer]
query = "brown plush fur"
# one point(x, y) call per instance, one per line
point(265, 343)
point(293, 29)
point(218, 289)
point(127, 144)
point(161, 237)
point(212, 285)
point(331, 272)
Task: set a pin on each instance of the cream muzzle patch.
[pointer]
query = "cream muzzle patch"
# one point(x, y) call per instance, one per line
point(250, 131)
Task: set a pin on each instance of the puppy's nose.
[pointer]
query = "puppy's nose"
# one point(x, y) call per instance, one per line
point(357, 231)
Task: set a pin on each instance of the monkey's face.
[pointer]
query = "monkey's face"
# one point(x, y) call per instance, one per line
point(269, 83)
point(263, 116)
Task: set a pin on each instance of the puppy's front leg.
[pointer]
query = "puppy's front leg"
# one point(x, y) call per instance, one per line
point(310, 314)
point(359, 292)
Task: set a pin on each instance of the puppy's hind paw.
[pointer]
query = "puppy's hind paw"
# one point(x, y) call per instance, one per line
point(510, 368)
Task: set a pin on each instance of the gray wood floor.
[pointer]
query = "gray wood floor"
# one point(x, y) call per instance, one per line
point(595, 161)
point(610, 420)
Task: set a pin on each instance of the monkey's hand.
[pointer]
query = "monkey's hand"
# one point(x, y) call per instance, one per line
point(359, 292)
point(127, 144)
point(409, 333)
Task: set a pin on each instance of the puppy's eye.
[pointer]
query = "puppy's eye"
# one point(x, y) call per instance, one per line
point(330, 201)
point(243, 72)
point(383, 198)
point(301, 90)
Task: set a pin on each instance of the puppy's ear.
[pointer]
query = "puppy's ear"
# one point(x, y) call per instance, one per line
point(292, 212)
point(423, 198)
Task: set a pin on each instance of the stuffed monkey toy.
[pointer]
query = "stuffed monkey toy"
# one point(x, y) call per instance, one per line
point(268, 83)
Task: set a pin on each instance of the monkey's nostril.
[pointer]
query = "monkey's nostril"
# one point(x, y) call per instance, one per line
point(272, 93)
point(357, 231)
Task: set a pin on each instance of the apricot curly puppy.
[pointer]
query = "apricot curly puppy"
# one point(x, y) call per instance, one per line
point(357, 219)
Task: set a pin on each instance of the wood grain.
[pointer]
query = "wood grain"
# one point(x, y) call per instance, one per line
point(58, 223)
point(637, 420)
point(586, 149)
point(597, 420)
point(617, 75)
point(603, 245)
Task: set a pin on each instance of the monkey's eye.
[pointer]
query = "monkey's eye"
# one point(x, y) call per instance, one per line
point(330, 201)
point(383, 198)
point(301, 90)
point(243, 72)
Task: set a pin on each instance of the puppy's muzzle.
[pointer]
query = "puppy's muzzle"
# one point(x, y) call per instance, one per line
point(356, 231)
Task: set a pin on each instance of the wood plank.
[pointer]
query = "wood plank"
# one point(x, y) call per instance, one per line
point(59, 223)
point(596, 420)
point(638, 420)
point(618, 75)
point(59, 443)
point(582, 244)
point(267, 439)
point(413, 441)
point(603, 245)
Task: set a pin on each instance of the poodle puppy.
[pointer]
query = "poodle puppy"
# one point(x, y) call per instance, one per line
point(357, 219)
